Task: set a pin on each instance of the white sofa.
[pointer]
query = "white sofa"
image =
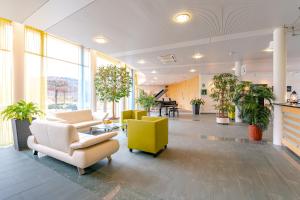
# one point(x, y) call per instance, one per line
point(63, 142)
point(81, 119)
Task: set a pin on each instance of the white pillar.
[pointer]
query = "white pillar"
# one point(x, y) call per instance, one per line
point(93, 72)
point(238, 73)
point(279, 80)
point(18, 60)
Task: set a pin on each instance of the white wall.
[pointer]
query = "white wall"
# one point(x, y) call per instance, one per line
point(293, 79)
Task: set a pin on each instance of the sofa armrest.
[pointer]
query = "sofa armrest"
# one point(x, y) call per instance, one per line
point(90, 141)
point(99, 116)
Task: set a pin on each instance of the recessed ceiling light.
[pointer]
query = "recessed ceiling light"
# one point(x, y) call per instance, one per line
point(153, 72)
point(182, 17)
point(101, 39)
point(197, 56)
point(269, 48)
point(141, 61)
point(233, 69)
point(192, 70)
point(155, 78)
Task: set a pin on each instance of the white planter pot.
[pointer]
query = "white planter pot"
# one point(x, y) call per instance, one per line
point(222, 120)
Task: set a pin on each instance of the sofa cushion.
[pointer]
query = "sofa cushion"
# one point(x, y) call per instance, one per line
point(55, 135)
point(73, 117)
point(87, 140)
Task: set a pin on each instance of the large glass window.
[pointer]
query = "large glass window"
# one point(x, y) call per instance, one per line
point(62, 69)
point(6, 70)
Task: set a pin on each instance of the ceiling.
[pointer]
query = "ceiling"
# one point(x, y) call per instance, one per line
point(222, 30)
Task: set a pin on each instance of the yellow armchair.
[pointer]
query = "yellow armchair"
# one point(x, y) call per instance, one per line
point(150, 134)
point(132, 114)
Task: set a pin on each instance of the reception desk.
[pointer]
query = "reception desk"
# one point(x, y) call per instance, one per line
point(291, 126)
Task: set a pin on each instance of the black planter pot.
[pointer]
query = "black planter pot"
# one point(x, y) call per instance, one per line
point(21, 132)
point(196, 109)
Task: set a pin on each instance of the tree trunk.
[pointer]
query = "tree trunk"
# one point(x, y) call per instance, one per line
point(113, 110)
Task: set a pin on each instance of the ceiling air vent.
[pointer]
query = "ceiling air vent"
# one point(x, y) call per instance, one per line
point(167, 59)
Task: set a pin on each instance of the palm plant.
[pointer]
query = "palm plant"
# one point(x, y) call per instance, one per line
point(146, 100)
point(250, 99)
point(21, 111)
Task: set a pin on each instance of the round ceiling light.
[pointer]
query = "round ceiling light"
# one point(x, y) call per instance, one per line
point(153, 72)
point(192, 70)
point(101, 39)
point(197, 56)
point(182, 17)
point(141, 61)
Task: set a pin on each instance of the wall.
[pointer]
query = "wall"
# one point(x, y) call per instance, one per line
point(184, 91)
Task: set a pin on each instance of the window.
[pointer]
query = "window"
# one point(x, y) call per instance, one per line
point(6, 74)
point(61, 69)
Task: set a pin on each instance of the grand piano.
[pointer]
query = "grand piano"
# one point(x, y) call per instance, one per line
point(164, 103)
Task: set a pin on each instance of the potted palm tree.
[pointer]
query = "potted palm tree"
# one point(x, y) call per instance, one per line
point(222, 92)
point(147, 101)
point(255, 104)
point(196, 103)
point(21, 115)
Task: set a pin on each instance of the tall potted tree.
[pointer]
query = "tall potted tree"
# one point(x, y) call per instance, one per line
point(250, 100)
point(146, 100)
point(222, 92)
point(196, 103)
point(21, 115)
point(112, 83)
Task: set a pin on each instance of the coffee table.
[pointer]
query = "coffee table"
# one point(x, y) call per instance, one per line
point(106, 127)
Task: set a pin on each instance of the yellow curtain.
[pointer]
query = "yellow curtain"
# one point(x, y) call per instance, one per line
point(6, 70)
point(35, 78)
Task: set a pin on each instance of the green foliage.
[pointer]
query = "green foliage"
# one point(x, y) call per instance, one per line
point(112, 83)
point(223, 92)
point(249, 98)
point(22, 111)
point(146, 100)
point(197, 101)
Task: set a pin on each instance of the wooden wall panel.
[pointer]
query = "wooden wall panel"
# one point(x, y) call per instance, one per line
point(184, 91)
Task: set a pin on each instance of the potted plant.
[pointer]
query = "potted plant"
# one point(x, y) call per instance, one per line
point(222, 92)
point(231, 111)
point(21, 114)
point(250, 100)
point(147, 101)
point(112, 83)
point(196, 103)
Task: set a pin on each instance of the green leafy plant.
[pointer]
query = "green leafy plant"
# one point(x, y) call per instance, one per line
point(21, 111)
point(146, 100)
point(250, 100)
point(112, 83)
point(197, 101)
point(223, 92)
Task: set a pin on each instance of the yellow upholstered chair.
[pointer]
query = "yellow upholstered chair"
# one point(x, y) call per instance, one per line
point(150, 134)
point(132, 114)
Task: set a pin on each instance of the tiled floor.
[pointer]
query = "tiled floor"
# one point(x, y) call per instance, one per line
point(203, 161)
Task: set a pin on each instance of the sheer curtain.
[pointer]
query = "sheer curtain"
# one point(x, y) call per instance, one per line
point(35, 81)
point(6, 70)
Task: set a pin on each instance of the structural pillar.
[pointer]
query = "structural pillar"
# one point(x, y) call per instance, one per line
point(238, 73)
point(18, 62)
point(279, 80)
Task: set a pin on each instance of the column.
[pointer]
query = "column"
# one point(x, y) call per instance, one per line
point(18, 62)
point(279, 80)
point(93, 72)
point(238, 73)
